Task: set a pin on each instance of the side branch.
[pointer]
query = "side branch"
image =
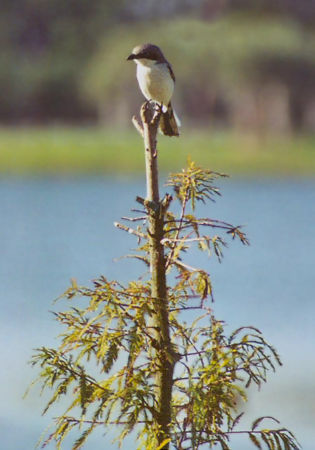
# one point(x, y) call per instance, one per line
point(129, 230)
point(137, 125)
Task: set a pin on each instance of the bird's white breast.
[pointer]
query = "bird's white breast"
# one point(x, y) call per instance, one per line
point(155, 81)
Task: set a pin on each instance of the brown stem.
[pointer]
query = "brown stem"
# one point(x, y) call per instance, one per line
point(150, 127)
point(165, 354)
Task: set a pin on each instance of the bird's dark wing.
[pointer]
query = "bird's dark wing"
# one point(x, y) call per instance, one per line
point(171, 71)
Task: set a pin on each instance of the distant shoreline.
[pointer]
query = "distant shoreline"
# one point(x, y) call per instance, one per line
point(58, 150)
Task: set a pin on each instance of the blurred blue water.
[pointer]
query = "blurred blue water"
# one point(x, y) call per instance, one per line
point(55, 229)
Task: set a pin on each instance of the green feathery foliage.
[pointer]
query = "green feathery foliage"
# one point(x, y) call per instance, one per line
point(113, 337)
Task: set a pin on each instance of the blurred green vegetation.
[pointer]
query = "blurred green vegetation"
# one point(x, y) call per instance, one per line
point(244, 84)
point(43, 47)
point(226, 49)
point(241, 71)
point(239, 64)
point(57, 151)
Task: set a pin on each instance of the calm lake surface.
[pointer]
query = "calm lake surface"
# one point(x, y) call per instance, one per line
point(54, 229)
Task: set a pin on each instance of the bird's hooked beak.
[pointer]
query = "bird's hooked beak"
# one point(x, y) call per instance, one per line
point(130, 57)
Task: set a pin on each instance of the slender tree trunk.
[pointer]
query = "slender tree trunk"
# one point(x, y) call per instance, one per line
point(156, 210)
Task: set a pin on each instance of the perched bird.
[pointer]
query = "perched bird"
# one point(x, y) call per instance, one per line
point(156, 81)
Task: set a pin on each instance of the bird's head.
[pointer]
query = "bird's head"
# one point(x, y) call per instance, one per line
point(147, 51)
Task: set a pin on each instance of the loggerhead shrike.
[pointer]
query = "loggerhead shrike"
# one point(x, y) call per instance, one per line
point(156, 81)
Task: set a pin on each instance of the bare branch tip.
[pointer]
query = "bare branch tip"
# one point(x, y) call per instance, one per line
point(138, 125)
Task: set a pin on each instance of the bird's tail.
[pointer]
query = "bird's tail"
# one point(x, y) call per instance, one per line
point(169, 122)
